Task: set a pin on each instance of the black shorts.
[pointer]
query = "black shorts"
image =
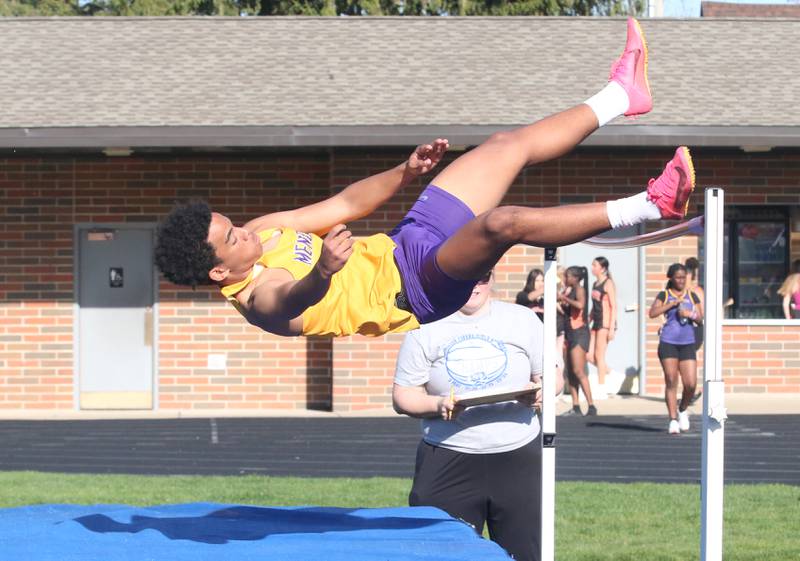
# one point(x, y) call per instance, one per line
point(681, 352)
point(502, 490)
point(560, 324)
point(578, 338)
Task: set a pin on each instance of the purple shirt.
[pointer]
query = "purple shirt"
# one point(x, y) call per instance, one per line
point(677, 330)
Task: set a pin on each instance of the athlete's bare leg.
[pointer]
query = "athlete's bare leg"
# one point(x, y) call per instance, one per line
point(477, 246)
point(688, 373)
point(671, 374)
point(482, 176)
point(598, 357)
point(578, 361)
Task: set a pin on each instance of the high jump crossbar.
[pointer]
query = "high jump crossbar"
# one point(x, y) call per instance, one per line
point(690, 227)
point(710, 225)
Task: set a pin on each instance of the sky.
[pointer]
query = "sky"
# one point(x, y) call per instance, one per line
point(691, 8)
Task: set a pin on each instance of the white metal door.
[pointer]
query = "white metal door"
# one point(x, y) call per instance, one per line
point(623, 352)
point(115, 318)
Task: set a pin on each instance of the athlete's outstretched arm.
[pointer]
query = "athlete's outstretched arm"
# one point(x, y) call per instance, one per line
point(358, 199)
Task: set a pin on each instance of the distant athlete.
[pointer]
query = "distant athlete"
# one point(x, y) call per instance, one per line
point(604, 317)
point(677, 348)
point(284, 278)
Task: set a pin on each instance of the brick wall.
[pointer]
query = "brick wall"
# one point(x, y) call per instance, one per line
point(752, 10)
point(37, 202)
point(263, 371)
point(659, 257)
point(758, 359)
point(43, 197)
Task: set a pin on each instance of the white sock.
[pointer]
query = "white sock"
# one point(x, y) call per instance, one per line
point(631, 211)
point(609, 103)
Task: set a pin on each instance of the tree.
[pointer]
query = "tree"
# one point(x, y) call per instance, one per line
point(166, 7)
point(15, 8)
point(321, 7)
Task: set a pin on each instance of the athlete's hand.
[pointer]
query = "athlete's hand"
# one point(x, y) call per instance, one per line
point(425, 156)
point(337, 247)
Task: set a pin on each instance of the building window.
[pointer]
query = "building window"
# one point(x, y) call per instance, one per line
point(756, 260)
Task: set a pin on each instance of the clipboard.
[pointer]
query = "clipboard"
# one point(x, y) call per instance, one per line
point(485, 397)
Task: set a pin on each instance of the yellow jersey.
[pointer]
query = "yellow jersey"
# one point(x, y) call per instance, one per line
point(361, 296)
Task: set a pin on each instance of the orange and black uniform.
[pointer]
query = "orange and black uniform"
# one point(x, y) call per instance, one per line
point(577, 332)
point(601, 306)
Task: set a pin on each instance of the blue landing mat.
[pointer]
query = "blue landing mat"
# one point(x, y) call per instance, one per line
point(206, 531)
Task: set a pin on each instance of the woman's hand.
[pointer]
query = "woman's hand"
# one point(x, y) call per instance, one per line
point(533, 399)
point(449, 408)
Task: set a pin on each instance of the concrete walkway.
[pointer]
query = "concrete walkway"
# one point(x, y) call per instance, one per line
point(737, 404)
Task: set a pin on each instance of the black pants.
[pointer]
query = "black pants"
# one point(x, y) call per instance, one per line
point(503, 490)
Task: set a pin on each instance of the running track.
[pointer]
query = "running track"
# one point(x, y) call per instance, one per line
point(758, 448)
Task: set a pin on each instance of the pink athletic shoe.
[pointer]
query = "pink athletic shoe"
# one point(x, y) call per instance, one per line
point(630, 71)
point(670, 191)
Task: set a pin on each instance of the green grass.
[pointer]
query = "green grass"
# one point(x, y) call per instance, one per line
point(27, 488)
point(595, 521)
point(657, 522)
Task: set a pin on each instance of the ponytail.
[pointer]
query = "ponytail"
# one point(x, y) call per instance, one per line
point(692, 265)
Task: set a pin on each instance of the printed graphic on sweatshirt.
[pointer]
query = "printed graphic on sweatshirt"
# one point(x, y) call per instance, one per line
point(476, 361)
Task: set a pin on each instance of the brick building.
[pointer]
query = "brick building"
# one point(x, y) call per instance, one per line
point(743, 10)
point(104, 123)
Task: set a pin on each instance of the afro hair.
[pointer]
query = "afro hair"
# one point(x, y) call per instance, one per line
point(183, 253)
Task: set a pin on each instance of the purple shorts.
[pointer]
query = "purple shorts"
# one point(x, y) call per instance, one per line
point(431, 294)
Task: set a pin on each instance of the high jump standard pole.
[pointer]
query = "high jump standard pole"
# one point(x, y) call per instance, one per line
point(548, 513)
point(714, 413)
